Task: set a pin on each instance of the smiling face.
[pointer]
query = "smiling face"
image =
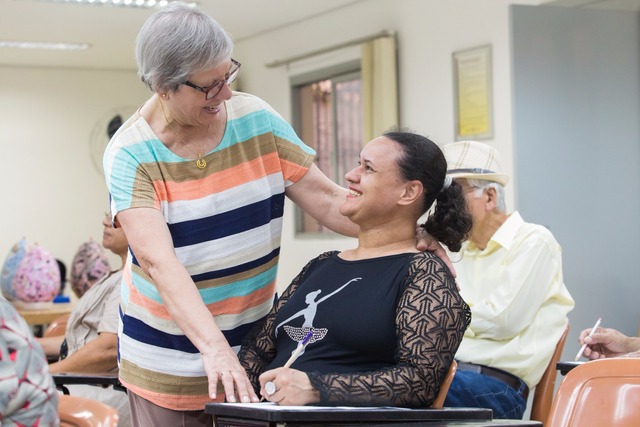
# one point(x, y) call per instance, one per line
point(190, 106)
point(375, 186)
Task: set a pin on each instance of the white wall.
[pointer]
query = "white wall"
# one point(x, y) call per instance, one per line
point(54, 196)
point(51, 192)
point(428, 32)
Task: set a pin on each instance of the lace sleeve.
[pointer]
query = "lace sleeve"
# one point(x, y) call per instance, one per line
point(430, 322)
point(258, 346)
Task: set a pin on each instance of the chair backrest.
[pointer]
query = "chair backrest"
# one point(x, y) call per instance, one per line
point(543, 395)
point(57, 327)
point(444, 387)
point(76, 411)
point(603, 392)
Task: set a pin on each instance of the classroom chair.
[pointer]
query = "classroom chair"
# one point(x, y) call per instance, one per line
point(543, 395)
point(604, 392)
point(444, 387)
point(57, 327)
point(76, 411)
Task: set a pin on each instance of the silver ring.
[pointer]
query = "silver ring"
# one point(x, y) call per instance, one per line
point(270, 388)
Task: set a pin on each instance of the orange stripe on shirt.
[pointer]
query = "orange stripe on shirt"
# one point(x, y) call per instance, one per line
point(221, 181)
point(233, 305)
point(175, 402)
point(292, 170)
point(237, 305)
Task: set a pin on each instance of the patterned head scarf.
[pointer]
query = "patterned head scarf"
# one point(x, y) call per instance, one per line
point(38, 276)
point(10, 267)
point(89, 265)
point(28, 393)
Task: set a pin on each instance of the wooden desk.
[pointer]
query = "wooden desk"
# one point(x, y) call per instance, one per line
point(260, 415)
point(69, 378)
point(46, 315)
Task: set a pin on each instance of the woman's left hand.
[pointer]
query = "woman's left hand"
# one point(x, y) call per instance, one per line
point(223, 368)
point(292, 387)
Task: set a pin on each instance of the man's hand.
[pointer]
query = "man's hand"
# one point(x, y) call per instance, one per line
point(607, 342)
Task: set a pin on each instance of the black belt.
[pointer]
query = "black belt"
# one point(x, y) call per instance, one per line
point(509, 379)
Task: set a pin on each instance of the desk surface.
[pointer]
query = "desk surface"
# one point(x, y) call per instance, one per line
point(89, 378)
point(64, 379)
point(44, 316)
point(260, 415)
point(566, 366)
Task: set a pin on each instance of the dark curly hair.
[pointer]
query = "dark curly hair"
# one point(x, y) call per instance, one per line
point(422, 160)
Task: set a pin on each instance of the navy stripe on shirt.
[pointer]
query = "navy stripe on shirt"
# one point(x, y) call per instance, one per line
point(140, 331)
point(229, 223)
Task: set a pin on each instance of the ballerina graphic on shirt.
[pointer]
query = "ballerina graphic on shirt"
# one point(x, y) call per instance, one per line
point(297, 334)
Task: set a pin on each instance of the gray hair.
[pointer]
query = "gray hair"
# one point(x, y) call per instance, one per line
point(177, 41)
point(480, 185)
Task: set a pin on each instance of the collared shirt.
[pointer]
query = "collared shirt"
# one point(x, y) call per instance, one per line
point(95, 312)
point(226, 225)
point(518, 299)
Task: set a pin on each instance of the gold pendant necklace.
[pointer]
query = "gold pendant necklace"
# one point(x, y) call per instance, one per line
point(200, 162)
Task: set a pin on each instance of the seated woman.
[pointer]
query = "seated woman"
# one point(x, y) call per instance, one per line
point(384, 319)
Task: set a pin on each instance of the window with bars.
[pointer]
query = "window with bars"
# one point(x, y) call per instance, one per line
point(328, 118)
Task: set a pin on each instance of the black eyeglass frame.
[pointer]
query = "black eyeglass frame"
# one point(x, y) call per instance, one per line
point(228, 79)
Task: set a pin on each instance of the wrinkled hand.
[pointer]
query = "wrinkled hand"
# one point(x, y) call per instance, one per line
point(604, 343)
point(292, 387)
point(427, 243)
point(223, 368)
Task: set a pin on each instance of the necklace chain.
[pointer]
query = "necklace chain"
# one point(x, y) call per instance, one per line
point(200, 162)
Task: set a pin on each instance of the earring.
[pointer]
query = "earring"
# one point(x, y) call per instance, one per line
point(164, 95)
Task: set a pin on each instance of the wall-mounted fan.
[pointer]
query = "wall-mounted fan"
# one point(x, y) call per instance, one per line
point(103, 128)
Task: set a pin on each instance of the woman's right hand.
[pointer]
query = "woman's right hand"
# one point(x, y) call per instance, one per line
point(222, 367)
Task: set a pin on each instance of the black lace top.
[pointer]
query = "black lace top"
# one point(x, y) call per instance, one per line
point(384, 330)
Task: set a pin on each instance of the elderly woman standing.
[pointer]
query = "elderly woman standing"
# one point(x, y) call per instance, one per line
point(197, 178)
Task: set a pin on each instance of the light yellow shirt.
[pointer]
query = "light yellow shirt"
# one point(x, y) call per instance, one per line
point(518, 299)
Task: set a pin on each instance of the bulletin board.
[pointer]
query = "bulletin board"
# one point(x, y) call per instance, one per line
point(473, 93)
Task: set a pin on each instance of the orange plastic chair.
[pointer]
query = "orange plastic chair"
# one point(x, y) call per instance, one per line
point(76, 411)
point(444, 387)
point(545, 389)
point(603, 392)
point(57, 327)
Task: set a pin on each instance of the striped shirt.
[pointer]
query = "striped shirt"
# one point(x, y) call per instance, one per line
point(226, 223)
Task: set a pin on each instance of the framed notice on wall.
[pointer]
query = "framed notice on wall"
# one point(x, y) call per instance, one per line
point(473, 93)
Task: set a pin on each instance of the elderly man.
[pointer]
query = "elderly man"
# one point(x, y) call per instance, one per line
point(510, 274)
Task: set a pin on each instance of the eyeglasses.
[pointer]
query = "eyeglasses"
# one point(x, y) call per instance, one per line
point(214, 89)
point(115, 223)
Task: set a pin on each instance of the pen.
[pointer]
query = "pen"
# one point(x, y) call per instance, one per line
point(298, 351)
point(270, 387)
point(579, 355)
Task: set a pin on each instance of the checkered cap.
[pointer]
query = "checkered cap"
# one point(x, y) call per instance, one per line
point(474, 160)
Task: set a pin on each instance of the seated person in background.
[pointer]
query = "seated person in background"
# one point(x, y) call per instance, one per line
point(386, 319)
point(510, 273)
point(90, 344)
point(607, 342)
point(90, 264)
point(27, 392)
